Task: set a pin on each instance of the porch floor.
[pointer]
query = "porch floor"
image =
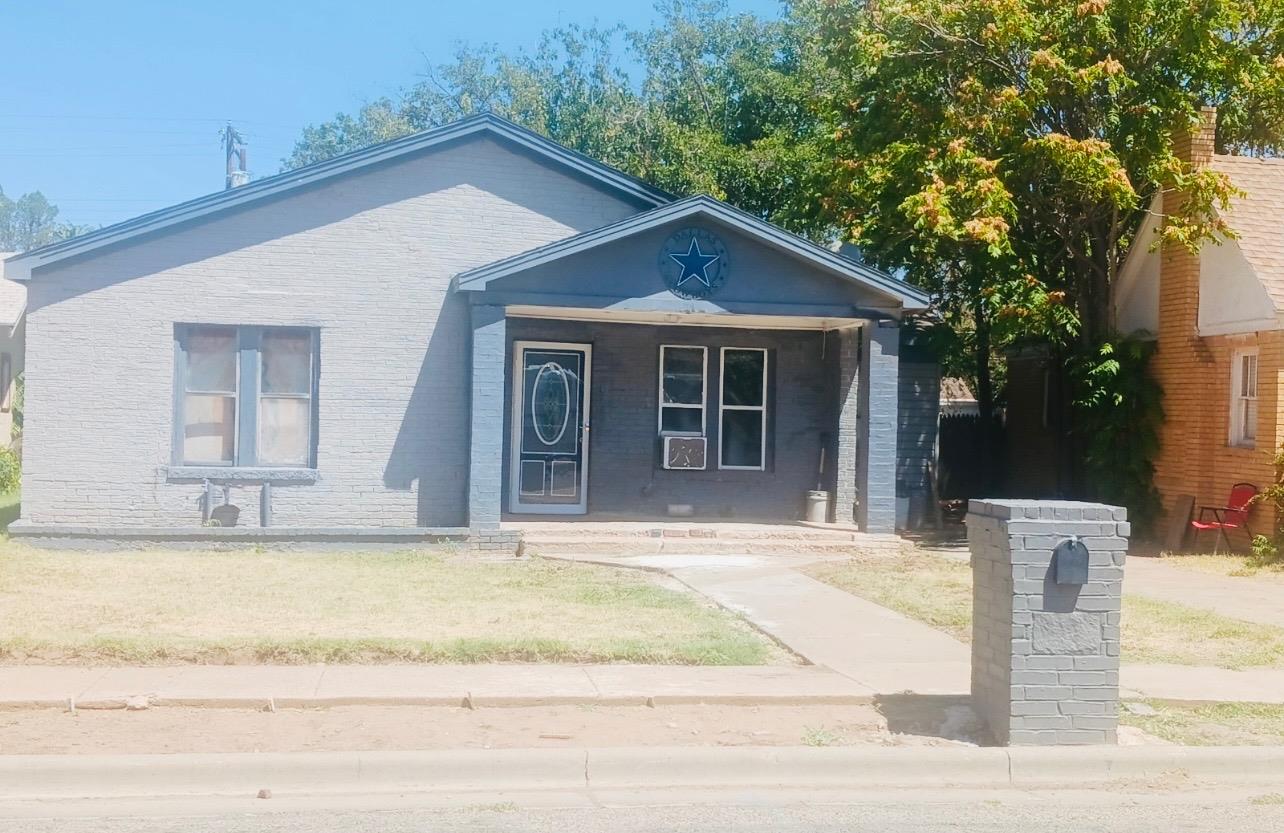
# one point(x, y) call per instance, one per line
point(698, 537)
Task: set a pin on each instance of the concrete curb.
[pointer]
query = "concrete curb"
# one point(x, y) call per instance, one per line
point(449, 701)
point(28, 777)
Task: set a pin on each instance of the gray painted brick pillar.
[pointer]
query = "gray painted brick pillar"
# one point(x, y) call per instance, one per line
point(845, 493)
point(1045, 656)
point(876, 450)
point(486, 438)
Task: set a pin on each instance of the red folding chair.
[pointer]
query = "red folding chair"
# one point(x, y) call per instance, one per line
point(1234, 515)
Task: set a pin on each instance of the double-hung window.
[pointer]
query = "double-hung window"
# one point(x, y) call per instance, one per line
point(683, 373)
point(245, 396)
point(743, 411)
point(1244, 398)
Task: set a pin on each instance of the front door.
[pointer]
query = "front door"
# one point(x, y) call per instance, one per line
point(549, 465)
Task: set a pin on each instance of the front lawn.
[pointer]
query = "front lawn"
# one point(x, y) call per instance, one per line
point(220, 607)
point(938, 591)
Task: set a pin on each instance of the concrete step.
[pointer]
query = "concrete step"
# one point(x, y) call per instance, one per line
point(639, 545)
point(727, 532)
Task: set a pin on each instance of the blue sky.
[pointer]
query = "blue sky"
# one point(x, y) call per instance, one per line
point(113, 109)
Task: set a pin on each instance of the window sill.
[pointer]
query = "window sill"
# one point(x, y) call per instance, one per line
point(241, 474)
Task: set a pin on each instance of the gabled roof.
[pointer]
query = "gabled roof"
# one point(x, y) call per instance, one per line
point(910, 297)
point(19, 267)
point(1259, 217)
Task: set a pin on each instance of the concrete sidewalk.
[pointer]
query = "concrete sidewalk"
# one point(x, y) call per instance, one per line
point(1257, 599)
point(434, 685)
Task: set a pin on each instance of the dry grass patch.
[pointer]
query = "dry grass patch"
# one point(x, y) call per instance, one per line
point(292, 607)
point(937, 590)
point(1227, 565)
point(1215, 724)
point(930, 588)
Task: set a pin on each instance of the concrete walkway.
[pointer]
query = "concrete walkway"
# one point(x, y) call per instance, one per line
point(890, 653)
point(876, 647)
point(433, 685)
point(1257, 599)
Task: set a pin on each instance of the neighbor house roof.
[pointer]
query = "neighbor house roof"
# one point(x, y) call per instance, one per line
point(1258, 218)
point(910, 297)
point(19, 267)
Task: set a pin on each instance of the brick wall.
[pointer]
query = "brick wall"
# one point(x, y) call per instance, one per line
point(1045, 656)
point(365, 258)
point(1195, 456)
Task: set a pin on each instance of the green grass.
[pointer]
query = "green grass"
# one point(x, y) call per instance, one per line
point(298, 607)
point(1215, 724)
point(10, 506)
point(938, 591)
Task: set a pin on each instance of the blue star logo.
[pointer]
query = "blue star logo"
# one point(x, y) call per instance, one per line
point(694, 263)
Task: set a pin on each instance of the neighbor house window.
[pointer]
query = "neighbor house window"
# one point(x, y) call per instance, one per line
point(683, 375)
point(246, 396)
point(743, 410)
point(1244, 398)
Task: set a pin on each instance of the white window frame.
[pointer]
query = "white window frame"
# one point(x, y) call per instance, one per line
point(704, 394)
point(1240, 397)
point(723, 407)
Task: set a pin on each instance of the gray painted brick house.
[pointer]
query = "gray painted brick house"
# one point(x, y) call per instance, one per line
point(459, 328)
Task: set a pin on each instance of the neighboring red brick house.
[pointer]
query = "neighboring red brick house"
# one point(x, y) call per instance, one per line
point(1217, 317)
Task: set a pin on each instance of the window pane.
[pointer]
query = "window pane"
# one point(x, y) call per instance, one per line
point(287, 362)
point(211, 360)
point(681, 420)
point(742, 438)
point(284, 431)
point(742, 372)
point(209, 428)
point(1249, 429)
point(684, 375)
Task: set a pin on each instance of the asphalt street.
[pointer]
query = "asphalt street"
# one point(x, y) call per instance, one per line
point(891, 811)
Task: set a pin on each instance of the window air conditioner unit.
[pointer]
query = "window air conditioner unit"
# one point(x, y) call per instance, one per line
point(684, 453)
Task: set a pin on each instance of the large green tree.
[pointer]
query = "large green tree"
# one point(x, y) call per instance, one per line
point(30, 221)
point(1004, 152)
point(721, 105)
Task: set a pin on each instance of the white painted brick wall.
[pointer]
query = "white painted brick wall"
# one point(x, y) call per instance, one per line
point(368, 259)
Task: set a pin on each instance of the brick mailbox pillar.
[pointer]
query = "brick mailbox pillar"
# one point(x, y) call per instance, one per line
point(1045, 632)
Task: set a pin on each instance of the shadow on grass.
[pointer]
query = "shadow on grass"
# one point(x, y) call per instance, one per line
point(10, 508)
point(946, 716)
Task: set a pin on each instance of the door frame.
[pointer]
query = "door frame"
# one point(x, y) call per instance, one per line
point(515, 504)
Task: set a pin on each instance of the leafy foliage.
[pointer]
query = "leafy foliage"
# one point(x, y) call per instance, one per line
point(720, 107)
point(1005, 153)
point(1118, 410)
point(10, 471)
point(31, 221)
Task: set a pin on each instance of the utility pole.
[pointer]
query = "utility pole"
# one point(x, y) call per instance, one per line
point(235, 153)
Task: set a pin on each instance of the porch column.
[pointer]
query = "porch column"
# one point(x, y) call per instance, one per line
point(876, 452)
point(486, 437)
point(849, 348)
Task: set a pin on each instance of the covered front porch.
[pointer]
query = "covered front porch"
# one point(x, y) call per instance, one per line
point(607, 389)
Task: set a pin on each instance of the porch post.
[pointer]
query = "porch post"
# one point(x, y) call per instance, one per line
point(486, 439)
point(876, 453)
point(849, 386)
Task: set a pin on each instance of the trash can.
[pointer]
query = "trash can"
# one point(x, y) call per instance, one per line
point(817, 507)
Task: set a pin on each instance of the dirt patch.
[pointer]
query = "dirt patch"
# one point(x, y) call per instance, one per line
point(370, 728)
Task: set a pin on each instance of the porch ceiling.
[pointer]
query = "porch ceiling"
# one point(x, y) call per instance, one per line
point(687, 319)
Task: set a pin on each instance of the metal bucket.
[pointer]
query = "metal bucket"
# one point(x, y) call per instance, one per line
point(817, 507)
